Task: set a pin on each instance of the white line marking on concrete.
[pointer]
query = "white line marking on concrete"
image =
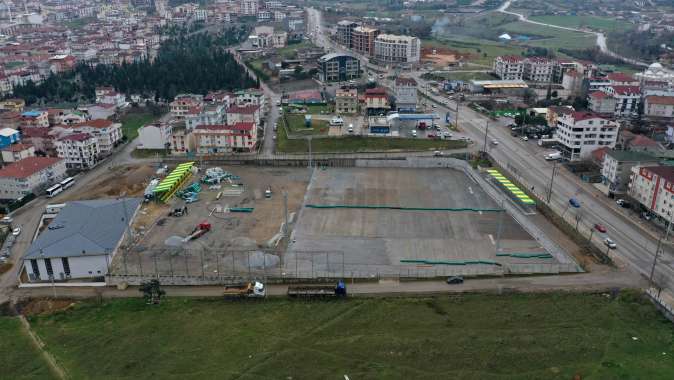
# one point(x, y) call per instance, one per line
point(470, 190)
point(492, 239)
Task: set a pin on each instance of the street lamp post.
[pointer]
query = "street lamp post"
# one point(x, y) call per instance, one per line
point(486, 131)
point(657, 250)
point(552, 178)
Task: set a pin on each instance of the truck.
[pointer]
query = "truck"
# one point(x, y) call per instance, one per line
point(338, 290)
point(254, 289)
point(553, 156)
point(546, 142)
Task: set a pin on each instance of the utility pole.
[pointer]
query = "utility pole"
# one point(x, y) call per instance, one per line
point(657, 251)
point(486, 131)
point(285, 212)
point(552, 178)
point(310, 163)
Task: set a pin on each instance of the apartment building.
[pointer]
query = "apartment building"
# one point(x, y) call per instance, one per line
point(337, 67)
point(249, 7)
point(30, 175)
point(659, 106)
point(155, 136)
point(346, 101)
point(617, 168)
point(627, 99)
point(601, 102)
point(376, 101)
point(17, 152)
point(540, 69)
point(344, 33)
point(390, 48)
point(209, 114)
point(405, 90)
point(221, 138)
point(182, 104)
point(653, 188)
point(78, 150)
point(108, 133)
point(509, 67)
point(247, 114)
point(580, 133)
point(35, 119)
point(362, 39)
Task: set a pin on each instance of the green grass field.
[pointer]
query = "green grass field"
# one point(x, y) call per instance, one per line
point(592, 22)
point(296, 125)
point(553, 38)
point(352, 144)
point(542, 336)
point(131, 122)
point(482, 51)
point(19, 359)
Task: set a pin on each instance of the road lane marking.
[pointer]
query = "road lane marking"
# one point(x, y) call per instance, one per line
point(492, 239)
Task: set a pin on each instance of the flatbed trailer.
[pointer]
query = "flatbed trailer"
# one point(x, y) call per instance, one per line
point(317, 291)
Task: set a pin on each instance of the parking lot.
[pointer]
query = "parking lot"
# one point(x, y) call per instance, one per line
point(366, 242)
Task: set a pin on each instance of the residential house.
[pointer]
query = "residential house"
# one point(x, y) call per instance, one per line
point(406, 94)
point(35, 119)
point(376, 101)
point(248, 114)
point(9, 136)
point(108, 95)
point(580, 133)
point(86, 241)
point(30, 175)
point(155, 136)
point(346, 101)
point(659, 106)
point(42, 139)
point(17, 152)
point(79, 150)
point(617, 168)
point(640, 143)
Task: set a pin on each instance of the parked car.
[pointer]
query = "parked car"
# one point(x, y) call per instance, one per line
point(454, 280)
point(494, 142)
point(414, 133)
point(623, 203)
point(610, 243)
point(431, 136)
point(574, 202)
point(437, 153)
point(525, 138)
point(600, 228)
point(16, 231)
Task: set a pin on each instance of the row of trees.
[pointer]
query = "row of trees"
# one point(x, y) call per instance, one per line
point(194, 63)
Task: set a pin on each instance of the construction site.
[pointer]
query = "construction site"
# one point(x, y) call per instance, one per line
point(378, 219)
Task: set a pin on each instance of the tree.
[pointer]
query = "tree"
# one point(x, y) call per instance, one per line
point(152, 291)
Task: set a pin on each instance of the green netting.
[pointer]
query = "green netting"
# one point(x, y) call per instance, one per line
point(450, 262)
point(526, 255)
point(384, 207)
point(241, 209)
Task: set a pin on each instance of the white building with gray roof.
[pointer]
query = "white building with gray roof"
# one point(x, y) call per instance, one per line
point(81, 241)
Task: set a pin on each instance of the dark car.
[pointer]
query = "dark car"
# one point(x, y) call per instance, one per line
point(600, 228)
point(453, 280)
point(574, 202)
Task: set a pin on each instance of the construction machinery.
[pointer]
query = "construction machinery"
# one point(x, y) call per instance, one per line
point(198, 231)
point(315, 291)
point(178, 212)
point(254, 289)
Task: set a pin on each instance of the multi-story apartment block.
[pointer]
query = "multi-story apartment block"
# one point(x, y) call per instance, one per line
point(376, 101)
point(79, 150)
point(249, 7)
point(653, 188)
point(210, 114)
point(344, 33)
point(221, 138)
point(627, 99)
point(540, 69)
point(30, 175)
point(617, 168)
point(155, 136)
point(245, 114)
point(17, 152)
point(390, 48)
point(601, 102)
point(362, 39)
point(336, 67)
point(406, 94)
point(108, 133)
point(182, 104)
point(346, 101)
point(509, 67)
point(35, 119)
point(580, 133)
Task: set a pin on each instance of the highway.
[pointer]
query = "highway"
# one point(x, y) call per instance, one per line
point(636, 245)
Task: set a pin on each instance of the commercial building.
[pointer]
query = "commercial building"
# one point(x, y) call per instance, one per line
point(86, 237)
point(344, 31)
point(406, 94)
point(653, 188)
point(337, 67)
point(580, 133)
point(30, 175)
point(79, 150)
point(346, 101)
point(362, 39)
point(393, 49)
point(155, 136)
point(617, 168)
point(659, 106)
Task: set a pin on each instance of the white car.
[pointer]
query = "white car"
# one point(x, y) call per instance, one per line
point(494, 142)
point(16, 231)
point(610, 243)
point(525, 138)
point(273, 137)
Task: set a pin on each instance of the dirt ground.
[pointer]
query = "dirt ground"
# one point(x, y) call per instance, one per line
point(128, 180)
point(442, 57)
point(42, 306)
point(157, 233)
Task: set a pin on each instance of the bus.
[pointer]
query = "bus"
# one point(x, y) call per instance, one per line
point(52, 191)
point(68, 182)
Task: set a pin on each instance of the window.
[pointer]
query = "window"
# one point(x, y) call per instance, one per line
point(35, 267)
point(50, 270)
point(66, 266)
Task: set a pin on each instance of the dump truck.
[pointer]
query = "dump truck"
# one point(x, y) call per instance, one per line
point(198, 231)
point(338, 290)
point(254, 289)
